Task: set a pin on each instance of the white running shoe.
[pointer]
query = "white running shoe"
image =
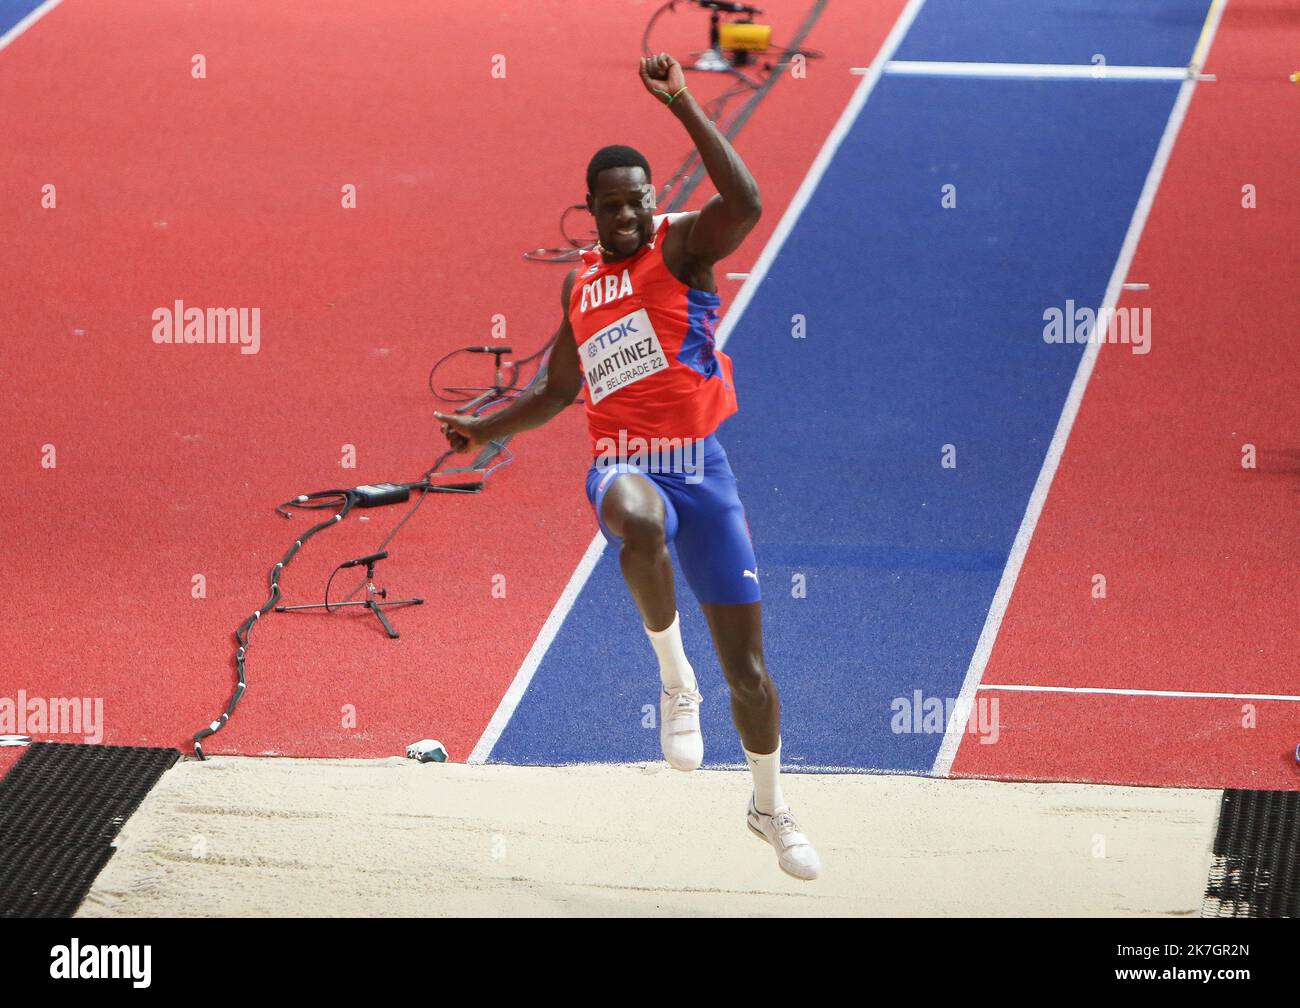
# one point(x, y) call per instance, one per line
point(679, 728)
point(793, 851)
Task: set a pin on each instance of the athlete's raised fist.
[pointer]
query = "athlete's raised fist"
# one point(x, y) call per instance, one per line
point(463, 433)
point(662, 76)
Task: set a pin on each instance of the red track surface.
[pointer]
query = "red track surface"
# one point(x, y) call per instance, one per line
point(226, 192)
point(1199, 554)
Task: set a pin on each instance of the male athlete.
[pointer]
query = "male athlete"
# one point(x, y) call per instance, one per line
point(638, 327)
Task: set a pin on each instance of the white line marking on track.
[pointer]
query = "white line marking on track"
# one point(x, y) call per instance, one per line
point(956, 728)
point(28, 21)
point(817, 170)
point(1207, 32)
point(1036, 71)
point(505, 710)
point(1108, 691)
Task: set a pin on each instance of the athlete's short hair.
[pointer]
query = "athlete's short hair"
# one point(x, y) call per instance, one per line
point(615, 156)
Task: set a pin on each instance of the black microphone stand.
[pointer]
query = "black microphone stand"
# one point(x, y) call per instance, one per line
point(372, 593)
point(497, 389)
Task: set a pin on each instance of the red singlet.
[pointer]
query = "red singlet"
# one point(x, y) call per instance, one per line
point(645, 345)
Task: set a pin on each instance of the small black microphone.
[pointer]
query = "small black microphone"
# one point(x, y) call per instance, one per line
point(488, 349)
point(381, 555)
point(730, 8)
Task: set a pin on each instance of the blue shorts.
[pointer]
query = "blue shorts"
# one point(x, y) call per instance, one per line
point(704, 517)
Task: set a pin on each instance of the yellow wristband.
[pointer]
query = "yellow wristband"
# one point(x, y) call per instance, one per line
point(673, 97)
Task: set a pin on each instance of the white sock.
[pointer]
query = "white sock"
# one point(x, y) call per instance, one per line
point(766, 769)
point(674, 670)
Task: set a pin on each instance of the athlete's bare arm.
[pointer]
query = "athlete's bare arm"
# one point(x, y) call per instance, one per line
point(698, 240)
point(557, 388)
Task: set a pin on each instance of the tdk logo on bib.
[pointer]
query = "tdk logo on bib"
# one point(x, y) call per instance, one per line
point(619, 330)
point(621, 354)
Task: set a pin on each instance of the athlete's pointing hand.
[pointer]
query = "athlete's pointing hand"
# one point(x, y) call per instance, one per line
point(662, 72)
point(463, 432)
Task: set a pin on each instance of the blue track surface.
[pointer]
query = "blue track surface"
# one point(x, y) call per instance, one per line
point(924, 328)
point(13, 11)
point(1125, 32)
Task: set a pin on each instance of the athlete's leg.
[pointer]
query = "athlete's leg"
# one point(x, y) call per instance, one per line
point(717, 557)
point(638, 518)
point(755, 704)
point(634, 511)
point(738, 637)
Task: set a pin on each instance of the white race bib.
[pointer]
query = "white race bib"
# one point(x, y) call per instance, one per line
point(620, 355)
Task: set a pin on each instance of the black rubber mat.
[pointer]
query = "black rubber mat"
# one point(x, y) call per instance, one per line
point(1256, 869)
point(60, 808)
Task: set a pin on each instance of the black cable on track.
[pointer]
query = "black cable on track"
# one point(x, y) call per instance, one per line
point(245, 629)
point(696, 176)
point(344, 500)
point(693, 165)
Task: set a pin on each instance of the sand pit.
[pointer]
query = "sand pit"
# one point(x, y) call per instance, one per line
point(253, 837)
